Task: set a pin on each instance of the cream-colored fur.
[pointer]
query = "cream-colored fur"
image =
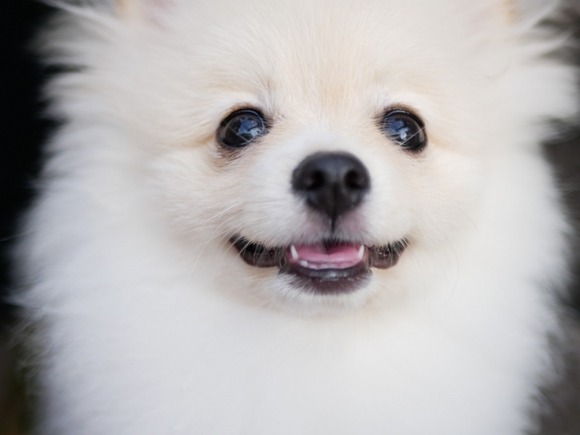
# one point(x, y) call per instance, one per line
point(148, 320)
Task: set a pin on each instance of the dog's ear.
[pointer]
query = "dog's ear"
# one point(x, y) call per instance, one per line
point(141, 9)
point(528, 13)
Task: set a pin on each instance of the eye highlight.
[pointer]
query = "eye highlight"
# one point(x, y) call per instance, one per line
point(405, 129)
point(241, 128)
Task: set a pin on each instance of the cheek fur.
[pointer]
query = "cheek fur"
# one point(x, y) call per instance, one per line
point(448, 191)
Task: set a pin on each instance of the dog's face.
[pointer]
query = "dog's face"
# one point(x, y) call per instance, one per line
point(322, 156)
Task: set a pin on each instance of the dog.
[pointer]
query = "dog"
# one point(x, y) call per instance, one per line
point(298, 217)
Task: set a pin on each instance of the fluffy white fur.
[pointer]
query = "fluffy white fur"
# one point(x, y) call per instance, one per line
point(147, 320)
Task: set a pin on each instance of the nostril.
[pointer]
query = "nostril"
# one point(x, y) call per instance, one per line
point(315, 180)
point(356, 179)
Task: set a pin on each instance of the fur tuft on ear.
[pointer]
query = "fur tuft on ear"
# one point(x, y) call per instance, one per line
point(147, 9)
point(125, 7)
point(528, 13)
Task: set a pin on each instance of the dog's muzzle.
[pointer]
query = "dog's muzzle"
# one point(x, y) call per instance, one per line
point(332, 185)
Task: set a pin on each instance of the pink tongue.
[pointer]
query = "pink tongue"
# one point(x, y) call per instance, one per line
point(326, 257)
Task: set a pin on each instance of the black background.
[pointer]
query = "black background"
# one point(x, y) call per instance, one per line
point(23, 130)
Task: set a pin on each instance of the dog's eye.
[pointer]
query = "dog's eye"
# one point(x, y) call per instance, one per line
point(405, 129)
point(241, 128)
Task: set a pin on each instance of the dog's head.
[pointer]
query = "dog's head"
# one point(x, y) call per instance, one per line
point(323, 153)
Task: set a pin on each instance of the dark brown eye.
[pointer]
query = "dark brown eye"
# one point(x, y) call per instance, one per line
point(405, 129)
point(241, 128)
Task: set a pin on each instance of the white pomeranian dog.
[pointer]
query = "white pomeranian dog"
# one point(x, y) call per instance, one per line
point(298, 217)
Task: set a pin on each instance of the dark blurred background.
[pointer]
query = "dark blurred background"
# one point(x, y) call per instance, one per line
point(24, 129)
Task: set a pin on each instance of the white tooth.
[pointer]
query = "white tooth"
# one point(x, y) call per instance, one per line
point(294, 252)
point(361, 252)
point(304, 263)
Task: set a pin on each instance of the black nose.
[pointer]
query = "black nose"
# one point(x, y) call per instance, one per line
point(331, 183)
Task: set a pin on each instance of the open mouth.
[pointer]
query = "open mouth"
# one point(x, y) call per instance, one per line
point(326, 267)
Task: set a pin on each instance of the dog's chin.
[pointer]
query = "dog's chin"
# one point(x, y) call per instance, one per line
point(329, 268)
